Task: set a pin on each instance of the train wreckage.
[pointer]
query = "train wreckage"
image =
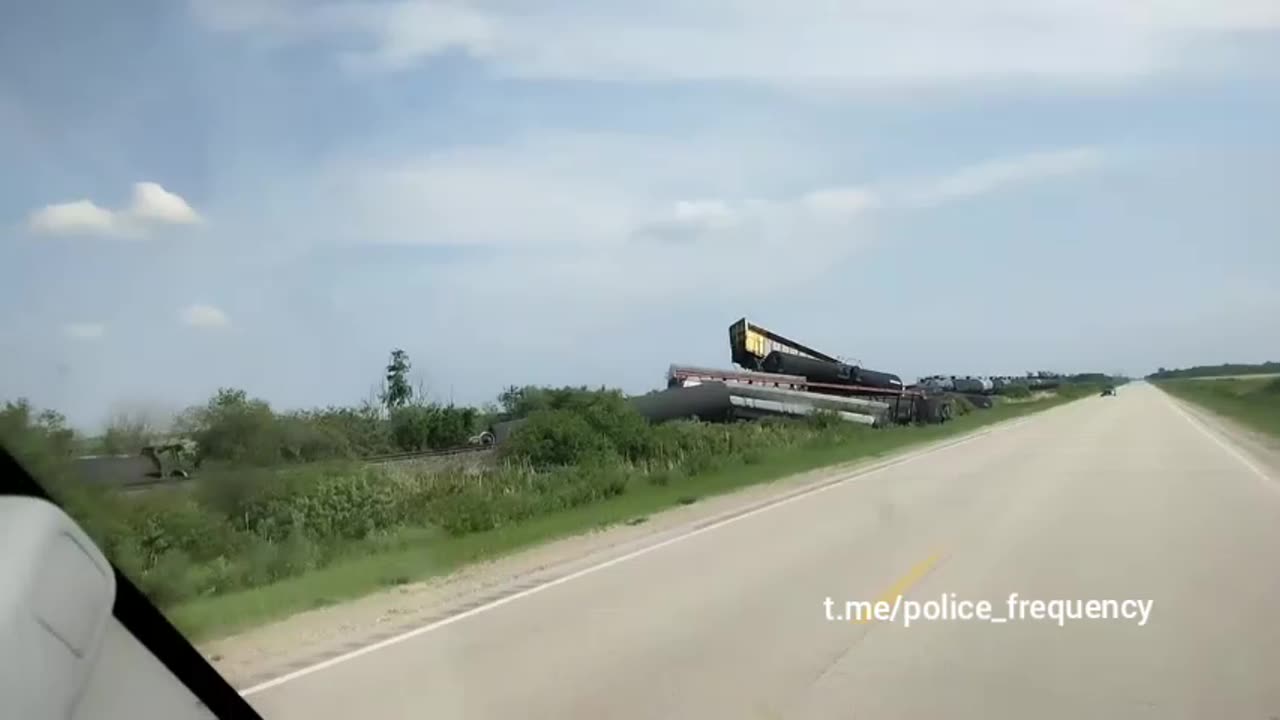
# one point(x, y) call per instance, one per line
point(773, 376)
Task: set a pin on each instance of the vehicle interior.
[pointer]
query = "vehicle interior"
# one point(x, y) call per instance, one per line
point(80, 641)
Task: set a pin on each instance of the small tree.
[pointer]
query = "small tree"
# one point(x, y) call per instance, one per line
point(233, 426)
point(397, 392)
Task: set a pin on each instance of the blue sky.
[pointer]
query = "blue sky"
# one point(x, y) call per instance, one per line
point(273, 194)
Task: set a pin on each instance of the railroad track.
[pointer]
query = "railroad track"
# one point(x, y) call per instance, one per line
point(135, 483)
point(424, 454)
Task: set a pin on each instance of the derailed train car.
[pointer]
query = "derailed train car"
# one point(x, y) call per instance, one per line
point(756, 348)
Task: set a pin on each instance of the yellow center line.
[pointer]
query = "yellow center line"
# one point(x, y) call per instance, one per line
point(904, 584)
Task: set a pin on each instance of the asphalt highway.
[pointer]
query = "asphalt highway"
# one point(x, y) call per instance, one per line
point(1105, 499)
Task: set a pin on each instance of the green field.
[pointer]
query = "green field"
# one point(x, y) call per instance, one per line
point(1242, 376)
point(1253, 401)
point(413, 553)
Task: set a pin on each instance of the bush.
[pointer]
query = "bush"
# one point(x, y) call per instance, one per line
point(1015, 390)
point(337, 502)
point(468, 511)
point(169, 579)
point(552, 438)
point(349, 506)
point(609, 414)
point(216, 576)
point(40, 440)
point(426, 427)
point(303, 441)
point(961, 405)
point(163, 522)
point(268, 562)
point(364, 429)
point(824, 420)
point(235, 428)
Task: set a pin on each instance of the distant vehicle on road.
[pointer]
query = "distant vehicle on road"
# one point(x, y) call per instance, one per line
point(1108, 391)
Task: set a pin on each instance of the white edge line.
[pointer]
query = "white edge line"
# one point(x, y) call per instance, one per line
point(1231, 449)
point(785, 500)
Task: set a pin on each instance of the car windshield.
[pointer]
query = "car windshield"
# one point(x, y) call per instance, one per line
point(730, 358)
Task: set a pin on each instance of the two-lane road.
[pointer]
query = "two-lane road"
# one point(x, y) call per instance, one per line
point(1107, 498)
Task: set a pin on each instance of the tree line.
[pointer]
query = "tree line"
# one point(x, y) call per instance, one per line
point(1199, 371)
point(235, 428)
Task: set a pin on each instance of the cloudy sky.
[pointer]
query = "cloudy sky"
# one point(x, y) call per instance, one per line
point(272, 194)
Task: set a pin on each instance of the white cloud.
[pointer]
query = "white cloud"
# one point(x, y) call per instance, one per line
point(709, 213)
point(824, 215)
point(842, 200)
point(409, 31)
point(860, 43)
point(993, 175)
point(80, 216)
point(151, 205)
point(84, 331)
point(204, 316)
point(688, 221)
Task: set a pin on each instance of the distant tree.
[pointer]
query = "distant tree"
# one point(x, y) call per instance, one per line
point(235, 427)
point(126, 434)
point(1216, 370)
point(397, 392)
point(25, 429)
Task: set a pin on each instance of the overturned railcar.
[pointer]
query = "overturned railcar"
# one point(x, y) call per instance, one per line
point(758, 349)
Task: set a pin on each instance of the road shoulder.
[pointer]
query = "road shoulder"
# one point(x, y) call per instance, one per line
point(1259, 447)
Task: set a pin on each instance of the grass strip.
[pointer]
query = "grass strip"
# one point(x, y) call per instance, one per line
point(1253, 401)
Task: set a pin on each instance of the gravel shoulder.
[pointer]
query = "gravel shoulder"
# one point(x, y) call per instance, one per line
point(1260, 447)
point(313, 636)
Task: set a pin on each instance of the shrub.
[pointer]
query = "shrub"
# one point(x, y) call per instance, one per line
point(553, 438)
point(235, 428)
point(521, 402)
point(169, 579)
point(365, 430)
point(303, 441)
point(824, 419)
point(124, 552)
point(1015, 390)
point(468, 511)
point(337, 502)
point(232, 492)
point(216, 576)
point(961, 405)
point(164, 522)
point(349, 506)
point(609, 414)
point(663, 477)
point(40, 440)
point(424, 427)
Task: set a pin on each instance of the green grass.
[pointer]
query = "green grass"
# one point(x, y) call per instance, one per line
point(412, 554)
point(1253, 401)
point(1244, 376)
